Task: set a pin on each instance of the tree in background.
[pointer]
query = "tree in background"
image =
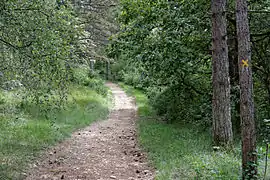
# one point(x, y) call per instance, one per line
point(164, 51)
point(249, 155)
point(97, 19)
point(163, 47)
point(222, 126)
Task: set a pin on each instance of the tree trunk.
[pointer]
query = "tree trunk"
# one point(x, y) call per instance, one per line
point(234, 72)
point(267, 84)
point(249, 156)
point(222, 127)
point(107, 70)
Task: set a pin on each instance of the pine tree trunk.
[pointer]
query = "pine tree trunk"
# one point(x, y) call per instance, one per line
point(249, 157)
point(234, 71)
point(222, 126)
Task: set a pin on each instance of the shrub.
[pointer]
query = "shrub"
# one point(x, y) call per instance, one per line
point(84, 77)
point(80, 75)
point(176, 104)
point(98, 86)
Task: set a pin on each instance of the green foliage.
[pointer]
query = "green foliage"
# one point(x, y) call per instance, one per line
point(98, 86)
point(177, 104)
point(25, 133)
point(164, 48)
point(2, 98)
point(37, 39)
point(133, 78)
point(97, 20)
point(160, 48)
point(183, 151)
point(83, 76)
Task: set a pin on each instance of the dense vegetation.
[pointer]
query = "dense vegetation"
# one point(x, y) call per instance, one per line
point(47, 89)
point(164, 48)
point(25, 131)
point(181, 151)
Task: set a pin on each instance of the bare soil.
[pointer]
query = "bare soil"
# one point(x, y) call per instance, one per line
point(105, 150)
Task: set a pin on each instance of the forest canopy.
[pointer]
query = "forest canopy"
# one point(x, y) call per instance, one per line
point(164, 47)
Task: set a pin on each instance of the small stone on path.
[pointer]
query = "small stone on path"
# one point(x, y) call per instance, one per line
point(113, 177)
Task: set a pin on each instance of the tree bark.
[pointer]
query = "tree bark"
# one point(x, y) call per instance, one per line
point(234, 71)
point(249, 156)
point(222, 126)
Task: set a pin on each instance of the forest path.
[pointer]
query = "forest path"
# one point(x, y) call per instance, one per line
point(105, 150)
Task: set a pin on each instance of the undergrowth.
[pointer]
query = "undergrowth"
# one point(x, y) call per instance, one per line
point(183, 151)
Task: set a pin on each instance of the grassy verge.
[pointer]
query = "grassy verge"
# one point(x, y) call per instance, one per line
point(24, 133)
point(182, 151)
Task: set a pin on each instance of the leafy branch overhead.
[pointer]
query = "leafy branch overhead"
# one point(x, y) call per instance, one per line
point(37, 39)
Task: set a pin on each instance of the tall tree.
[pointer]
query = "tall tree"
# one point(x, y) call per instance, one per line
point(222, 126)
point(249, 156)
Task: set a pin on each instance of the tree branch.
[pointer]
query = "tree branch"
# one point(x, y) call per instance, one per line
point(29, 9)
point(258, 11)
point(15, 47)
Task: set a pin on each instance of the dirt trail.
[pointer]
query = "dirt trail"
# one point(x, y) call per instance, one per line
point(103, 151)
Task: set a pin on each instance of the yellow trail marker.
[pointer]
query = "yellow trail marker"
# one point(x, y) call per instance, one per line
point(245, 63)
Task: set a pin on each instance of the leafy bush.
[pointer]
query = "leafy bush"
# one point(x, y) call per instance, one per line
point(117, 71)
point(84, 77)
point(176, 104)
point(98, 86)
point(137, 78)
point(80, 75)
point(182, 151)
point(132, 78)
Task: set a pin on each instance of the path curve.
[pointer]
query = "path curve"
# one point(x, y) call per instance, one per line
point(105, 150)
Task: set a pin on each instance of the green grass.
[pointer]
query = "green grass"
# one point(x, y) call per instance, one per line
point(25, 133)
point(181, 151)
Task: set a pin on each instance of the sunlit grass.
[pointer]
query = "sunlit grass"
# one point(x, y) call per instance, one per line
point(25, 133)
point(181, 152)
